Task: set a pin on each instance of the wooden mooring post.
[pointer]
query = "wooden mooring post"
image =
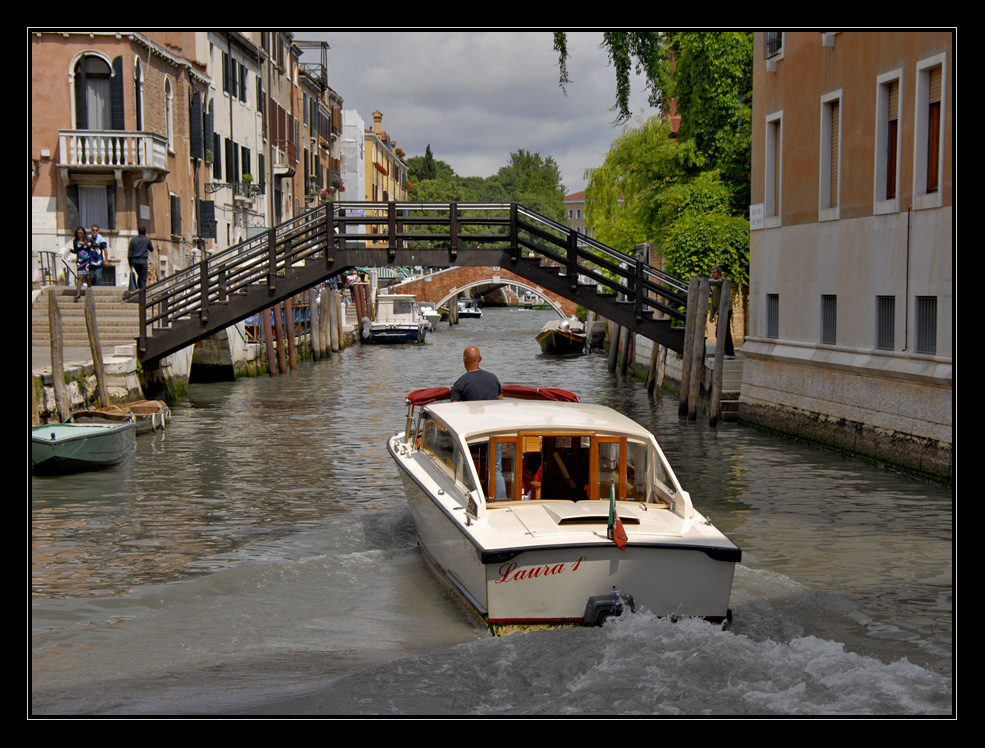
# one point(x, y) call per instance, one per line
point(279, 337)
point(692, 300)
point(95, 347)
point(57, 363)
point(313, 324)
point(268, 339)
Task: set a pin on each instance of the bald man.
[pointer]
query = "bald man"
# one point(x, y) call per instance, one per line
point(476, 383)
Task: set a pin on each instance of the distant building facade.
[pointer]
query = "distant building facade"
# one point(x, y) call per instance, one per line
point(850, 332)
point(574, 206)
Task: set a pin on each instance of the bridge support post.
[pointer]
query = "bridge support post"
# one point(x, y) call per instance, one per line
point(272, 259)
point(572, 268)
point(203, 269)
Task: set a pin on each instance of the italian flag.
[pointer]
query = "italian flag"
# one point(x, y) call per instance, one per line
point(616, 531)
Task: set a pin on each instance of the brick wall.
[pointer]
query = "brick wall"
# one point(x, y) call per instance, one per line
point(435, 287)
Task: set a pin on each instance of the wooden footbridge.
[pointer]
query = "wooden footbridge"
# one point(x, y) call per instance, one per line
point(233, 284)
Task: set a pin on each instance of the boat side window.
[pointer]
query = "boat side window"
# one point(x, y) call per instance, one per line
point(402, 307)
point(636, 470)
point(438, 442)
point(663, 476)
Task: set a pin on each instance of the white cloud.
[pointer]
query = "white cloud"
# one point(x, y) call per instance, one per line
point(477, 96)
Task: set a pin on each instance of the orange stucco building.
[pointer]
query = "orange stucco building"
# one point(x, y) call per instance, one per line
point(852, 244)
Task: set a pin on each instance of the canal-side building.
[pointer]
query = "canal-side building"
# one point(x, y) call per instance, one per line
point(280, 128)
point(235, 108)
point(851, 299)
point(116, 140)
point(386, 170)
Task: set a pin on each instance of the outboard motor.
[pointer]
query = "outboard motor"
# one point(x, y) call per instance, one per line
point(601, 607)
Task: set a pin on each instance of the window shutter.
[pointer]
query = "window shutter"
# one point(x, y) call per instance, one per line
point(933, 129)
point(195, 133)
point(117, 119)
point(111, 207)
point(833, 194)
point(230, 173)
point(72, 206)
point(175, 215)
point(206, 219)
point(216, 156)
point(208, 138)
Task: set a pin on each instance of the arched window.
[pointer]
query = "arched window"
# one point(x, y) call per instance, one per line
point(93, 93)
point(169, 112)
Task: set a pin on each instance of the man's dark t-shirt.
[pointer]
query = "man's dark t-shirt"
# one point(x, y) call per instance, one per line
point(477, 385)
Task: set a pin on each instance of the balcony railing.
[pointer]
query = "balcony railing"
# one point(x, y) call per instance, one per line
point(112, 149)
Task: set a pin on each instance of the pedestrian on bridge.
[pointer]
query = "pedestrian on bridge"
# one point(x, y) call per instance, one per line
point(138, 253)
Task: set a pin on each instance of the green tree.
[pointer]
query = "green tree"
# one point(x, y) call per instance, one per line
point(533, 181)
point(642, 51)
point(420, 168)
point(685, 192)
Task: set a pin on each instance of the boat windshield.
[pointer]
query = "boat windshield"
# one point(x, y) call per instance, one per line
point(570, 467)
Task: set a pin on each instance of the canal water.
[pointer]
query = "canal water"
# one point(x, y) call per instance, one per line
point(258, 558)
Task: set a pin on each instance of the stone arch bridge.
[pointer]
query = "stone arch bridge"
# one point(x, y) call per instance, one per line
point(440, 287)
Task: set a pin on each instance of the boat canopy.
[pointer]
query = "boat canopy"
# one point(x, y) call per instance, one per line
point(521, 392)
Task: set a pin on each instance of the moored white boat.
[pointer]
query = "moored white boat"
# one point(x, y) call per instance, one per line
point(556, 513)
point(432, 316)
point(398, 320)
point(469, 308)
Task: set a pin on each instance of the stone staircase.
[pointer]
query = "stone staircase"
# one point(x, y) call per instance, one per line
point(118, 321)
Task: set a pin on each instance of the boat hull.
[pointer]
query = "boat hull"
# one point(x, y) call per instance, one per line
point(552, 583)
point(149, 415)
point(398, 334)
point(70, 447)
point(559, 341)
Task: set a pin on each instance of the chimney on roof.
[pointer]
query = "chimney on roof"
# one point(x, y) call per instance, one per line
point(377, 122)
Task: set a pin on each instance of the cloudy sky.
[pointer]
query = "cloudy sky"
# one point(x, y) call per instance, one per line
point(477, 96)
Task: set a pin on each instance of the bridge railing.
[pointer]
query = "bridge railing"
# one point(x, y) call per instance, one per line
point(494, 225)
point(261, 259)
point(324, 233)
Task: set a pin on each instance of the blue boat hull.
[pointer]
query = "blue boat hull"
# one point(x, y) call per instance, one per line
point(71, 448)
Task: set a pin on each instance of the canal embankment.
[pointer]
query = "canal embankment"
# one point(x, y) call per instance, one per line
point(239, 351)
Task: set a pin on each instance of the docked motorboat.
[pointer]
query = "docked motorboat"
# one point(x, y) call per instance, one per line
point(544, 511)
point(432, 316)
point(398, 320)
point(469, 308)
point(74, 446)
point(566, 335)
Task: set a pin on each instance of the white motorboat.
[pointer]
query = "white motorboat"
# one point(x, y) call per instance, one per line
point(398, 320)
point(432, 316)
point(556, 512)
point(469, 308)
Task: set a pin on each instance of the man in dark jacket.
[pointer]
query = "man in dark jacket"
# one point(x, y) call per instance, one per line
point(137, 255)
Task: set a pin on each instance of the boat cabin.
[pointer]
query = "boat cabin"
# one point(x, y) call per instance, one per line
point(586, 460)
